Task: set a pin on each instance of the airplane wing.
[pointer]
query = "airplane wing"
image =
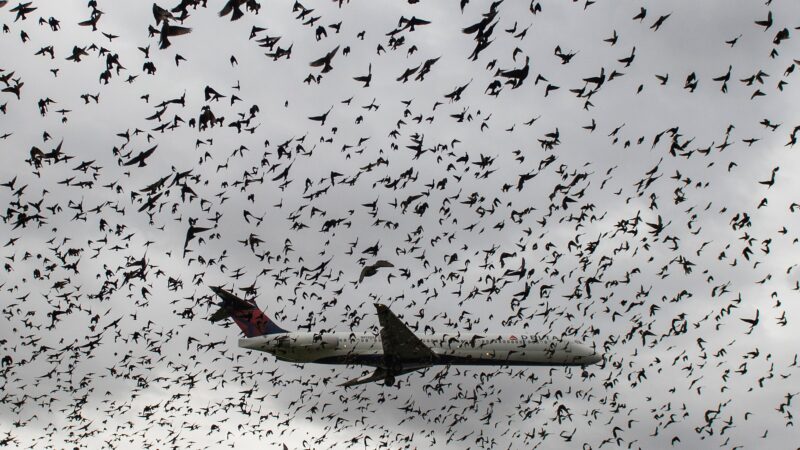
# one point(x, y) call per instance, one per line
point(403, 350)
point(399, 343)
point(379, 375)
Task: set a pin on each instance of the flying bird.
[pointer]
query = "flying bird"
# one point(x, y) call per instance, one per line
point(372, 269)
point(140, 158)
point(167, 30)
point(325, 61)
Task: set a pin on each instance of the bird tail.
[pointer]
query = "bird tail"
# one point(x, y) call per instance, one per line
point(245, 313)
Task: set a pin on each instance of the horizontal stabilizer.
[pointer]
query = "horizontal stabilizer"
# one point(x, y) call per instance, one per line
point(230, 304)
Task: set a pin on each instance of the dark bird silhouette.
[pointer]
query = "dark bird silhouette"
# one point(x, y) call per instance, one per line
point(234, 8)
point(752, 322)
point(372, 269)
point(14, 89)
point(322, 117)
point(403, 78)
point(168, 31)
point(657, 24)
point(409, 24)
point(765, 23)
point(92, 21)
point(425, 69)
point(724, 79)
point(629, 59)
point(733, 41)
point(22, 10)
point(141, 157)
point(516, 76)
point(77, 54)
point(613, 39)
point(191, 233)
point(160, 14)
point(325, 61)
point(769, 183)
point(365, 78)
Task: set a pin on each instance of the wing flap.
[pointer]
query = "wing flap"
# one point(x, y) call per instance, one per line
point(378, 375)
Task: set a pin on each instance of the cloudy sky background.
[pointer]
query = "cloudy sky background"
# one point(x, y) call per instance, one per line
point(134, 387)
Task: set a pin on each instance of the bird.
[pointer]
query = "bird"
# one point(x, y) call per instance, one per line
point(766, 23)
point(322, 117)
point(141, 157)
point(372, 269)
point(92, 21)
point(77, 54)
point(22, 10)
point(613, 39)
point(15, 89)
point(660, 21)
point(365, 78)
point(752, 322)
point(234, 8)
point(769, 183)
point(191, 233)
point(325, 61)
point(168, 31)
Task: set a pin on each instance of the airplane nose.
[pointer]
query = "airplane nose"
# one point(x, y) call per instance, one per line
point(590, 355)
point(594, 358)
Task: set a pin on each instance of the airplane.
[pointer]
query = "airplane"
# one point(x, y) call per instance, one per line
point(396, 350)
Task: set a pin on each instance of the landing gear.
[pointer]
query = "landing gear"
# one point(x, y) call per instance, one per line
point(391, 367)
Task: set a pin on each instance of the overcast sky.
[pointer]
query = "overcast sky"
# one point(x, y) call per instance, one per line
point(565, 177)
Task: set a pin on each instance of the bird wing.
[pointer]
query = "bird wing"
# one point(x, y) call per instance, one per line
point(318, 62)
point(149, 151)
point(324, 59)
point(160, 14)
point(363, 274)
point(174, 30)
point(226, 9)
point(135, 160)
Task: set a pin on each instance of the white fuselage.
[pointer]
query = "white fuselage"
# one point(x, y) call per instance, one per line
point(463, 349)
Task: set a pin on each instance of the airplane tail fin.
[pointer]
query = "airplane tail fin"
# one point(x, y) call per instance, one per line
point(245, 313)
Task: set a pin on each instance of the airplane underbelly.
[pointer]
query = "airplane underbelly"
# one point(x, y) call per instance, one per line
point(533, 357)
point(310, 353)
